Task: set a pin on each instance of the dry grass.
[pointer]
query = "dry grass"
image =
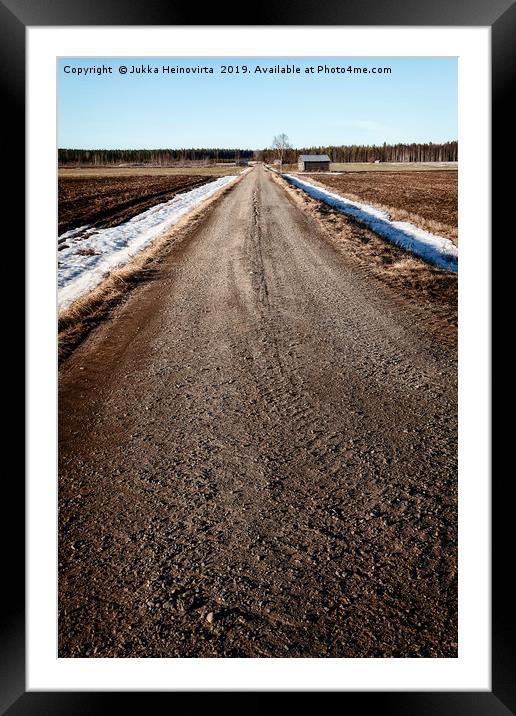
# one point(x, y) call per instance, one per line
point(215, 170)
point(428, 200)
point(393, 166)
point(412, 279)
point(77, 320)
point(438, 228)
point(88, 252)
point(386, 167)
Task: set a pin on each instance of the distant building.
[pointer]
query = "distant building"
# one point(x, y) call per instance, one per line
point(313, 163)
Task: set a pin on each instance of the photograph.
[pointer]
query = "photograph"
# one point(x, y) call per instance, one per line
point(257, 329)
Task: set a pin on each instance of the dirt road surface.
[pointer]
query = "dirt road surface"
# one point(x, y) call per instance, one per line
point(258, 456)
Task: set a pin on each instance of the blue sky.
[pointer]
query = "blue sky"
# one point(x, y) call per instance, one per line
point(417, 102)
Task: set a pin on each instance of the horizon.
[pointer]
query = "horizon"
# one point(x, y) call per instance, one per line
point(239, 149)
point(414, 103)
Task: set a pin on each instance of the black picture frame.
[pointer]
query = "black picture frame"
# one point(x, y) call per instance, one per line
point(500, 16)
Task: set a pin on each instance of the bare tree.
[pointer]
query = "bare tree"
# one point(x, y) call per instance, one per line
point(280, 144)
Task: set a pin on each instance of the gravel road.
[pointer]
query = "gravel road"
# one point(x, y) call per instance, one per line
point(257, 456)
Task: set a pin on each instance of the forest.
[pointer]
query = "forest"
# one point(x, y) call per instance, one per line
point(154, 157)
point(414, 152)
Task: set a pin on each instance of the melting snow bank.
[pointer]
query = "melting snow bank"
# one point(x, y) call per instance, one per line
point(436, 249)
point(85, 262)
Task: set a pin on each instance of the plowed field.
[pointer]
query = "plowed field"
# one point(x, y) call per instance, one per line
point(110, 200)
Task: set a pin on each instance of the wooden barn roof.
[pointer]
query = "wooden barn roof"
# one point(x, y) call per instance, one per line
point(314, 158)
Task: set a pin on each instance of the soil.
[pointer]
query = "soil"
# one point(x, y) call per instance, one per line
point(103, 201)
point(410, 278)
point(432, 195)
point(258, 454)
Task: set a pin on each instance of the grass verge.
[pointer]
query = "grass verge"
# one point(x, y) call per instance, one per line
point(424, 285)
point(439, 228)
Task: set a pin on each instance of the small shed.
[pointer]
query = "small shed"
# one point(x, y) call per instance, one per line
point(313, 163)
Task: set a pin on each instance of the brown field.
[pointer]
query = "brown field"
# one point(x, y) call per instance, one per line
point(411, 278)
point(384, 167)
point(427, 199)
point(210, 170)
point(109, 200)
point(76, 321)
point(393, 166)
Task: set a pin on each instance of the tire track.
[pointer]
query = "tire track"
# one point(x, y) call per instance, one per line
point(258, 457)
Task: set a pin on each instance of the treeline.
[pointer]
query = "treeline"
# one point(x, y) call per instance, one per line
point(156, 157)
point(415, 152)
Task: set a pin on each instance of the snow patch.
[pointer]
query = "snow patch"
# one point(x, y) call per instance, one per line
point(437, 250)
point(78, 273)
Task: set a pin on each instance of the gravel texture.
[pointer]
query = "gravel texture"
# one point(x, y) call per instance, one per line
point(257, 456)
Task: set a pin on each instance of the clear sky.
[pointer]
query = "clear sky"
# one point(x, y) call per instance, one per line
point(416, 102)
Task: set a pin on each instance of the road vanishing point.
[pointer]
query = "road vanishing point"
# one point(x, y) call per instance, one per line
point(257, 456)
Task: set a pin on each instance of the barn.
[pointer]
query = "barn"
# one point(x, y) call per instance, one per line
point(313, 163)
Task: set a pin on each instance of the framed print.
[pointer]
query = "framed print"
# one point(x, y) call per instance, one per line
point(258, 429)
